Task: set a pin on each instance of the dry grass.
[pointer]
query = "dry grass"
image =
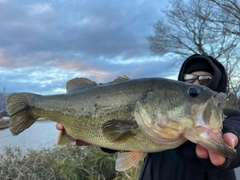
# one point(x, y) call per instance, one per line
point(62, 163)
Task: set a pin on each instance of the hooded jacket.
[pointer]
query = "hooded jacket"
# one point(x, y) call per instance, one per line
point(182, 163)
point(198, 62)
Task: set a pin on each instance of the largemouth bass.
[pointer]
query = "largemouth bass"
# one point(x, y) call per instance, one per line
point(135, 116)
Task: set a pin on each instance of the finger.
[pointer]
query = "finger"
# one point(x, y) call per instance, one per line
point(230, 139)
point(201, 152)
point(59, 127)
point(216, 159)
point(81, 143)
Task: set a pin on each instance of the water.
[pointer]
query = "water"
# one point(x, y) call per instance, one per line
point(42, 134)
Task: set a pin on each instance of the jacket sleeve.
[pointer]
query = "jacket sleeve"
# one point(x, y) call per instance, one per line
point(187, 153)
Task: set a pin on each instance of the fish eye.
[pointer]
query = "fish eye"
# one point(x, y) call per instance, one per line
point(194, 91)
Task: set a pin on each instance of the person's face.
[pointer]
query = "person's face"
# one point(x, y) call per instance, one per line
point(198, 77)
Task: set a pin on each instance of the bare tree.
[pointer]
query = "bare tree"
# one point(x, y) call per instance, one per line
point(186, 31)
point(230, 26)
point(232, 8)
point(200, 27)
point(232, 65)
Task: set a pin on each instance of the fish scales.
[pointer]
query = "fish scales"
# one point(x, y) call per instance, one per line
point(101, 103)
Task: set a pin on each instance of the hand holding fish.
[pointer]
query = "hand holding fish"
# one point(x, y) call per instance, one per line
point(216, 159)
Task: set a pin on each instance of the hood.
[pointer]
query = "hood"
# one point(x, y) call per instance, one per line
point(199, 62)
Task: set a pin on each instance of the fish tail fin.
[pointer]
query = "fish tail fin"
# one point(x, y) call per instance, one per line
point(18, 105)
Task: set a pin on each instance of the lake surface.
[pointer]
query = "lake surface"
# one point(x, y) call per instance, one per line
point(40, 134)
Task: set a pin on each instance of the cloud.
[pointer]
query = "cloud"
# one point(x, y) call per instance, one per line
point(44, 44)
point(39, 9)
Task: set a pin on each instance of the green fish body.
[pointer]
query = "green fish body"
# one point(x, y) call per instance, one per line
point(136, 116)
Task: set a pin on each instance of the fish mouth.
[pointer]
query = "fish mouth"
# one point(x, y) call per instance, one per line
point(211, 140)
point(208, 124)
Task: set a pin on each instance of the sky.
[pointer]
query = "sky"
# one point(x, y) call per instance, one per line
point(43, 44)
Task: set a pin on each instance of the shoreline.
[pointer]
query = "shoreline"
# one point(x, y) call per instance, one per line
point(4, 123)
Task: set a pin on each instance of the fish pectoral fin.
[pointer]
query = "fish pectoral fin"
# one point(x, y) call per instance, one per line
point(127, 160)
point(118, 130)
point(64, 138)
point(79, 84)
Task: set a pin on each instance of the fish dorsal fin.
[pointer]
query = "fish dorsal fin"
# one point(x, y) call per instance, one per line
point(120, 78)
point(127, 160)
point(79, 84)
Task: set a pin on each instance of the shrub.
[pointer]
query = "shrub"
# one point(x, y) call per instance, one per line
point(62, 163)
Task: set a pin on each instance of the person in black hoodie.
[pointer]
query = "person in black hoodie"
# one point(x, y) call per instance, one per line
point(191, 161)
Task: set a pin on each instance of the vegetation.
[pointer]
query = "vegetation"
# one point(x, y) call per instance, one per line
point(209, 27)
point(62, 163)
